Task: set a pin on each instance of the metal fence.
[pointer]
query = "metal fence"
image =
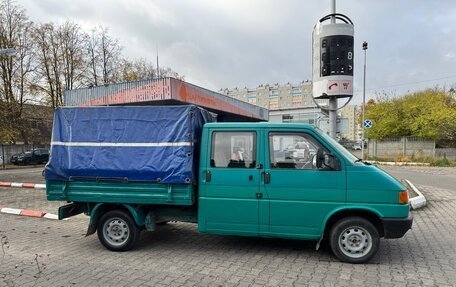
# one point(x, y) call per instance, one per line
point(6, 151)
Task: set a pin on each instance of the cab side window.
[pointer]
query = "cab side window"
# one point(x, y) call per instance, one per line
point(233, 150)
point(293, 150)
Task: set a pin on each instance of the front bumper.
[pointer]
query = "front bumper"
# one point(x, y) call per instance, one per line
point(397, 227)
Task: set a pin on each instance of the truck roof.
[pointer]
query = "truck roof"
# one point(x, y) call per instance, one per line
point(258, 125)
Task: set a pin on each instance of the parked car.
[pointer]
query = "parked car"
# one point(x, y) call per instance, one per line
point(299, 151)
point(36, 156)
point(357, 147)
point(14, 158)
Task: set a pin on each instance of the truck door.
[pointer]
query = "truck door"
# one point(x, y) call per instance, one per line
point(300, 194)
point(231, 179)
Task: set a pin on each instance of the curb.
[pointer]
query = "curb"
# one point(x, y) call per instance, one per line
point(417, 201)
point(23, 185)
point(27, 212)
point(399, 163)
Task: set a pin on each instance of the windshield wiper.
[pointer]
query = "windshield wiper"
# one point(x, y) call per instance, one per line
point(363, 161)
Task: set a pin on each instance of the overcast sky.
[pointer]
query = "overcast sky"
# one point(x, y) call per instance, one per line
point(227, 44)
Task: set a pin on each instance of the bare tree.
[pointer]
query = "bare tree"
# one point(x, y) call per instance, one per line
point(62, 59)
point(74, 60)
point(110, 52)
point(92, 45)
point(141, 69)
point(16, 73)
point(104, 54)
point(48, 58)
point(168, 72)
point(135, 70)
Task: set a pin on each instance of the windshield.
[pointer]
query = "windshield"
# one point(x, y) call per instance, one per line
point(348, 155)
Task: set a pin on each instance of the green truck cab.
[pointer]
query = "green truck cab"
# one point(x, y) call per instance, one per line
point(297, 182)
point(254, 179)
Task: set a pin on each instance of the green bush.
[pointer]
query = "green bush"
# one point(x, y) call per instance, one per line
point(441, 161)
point(433, 161)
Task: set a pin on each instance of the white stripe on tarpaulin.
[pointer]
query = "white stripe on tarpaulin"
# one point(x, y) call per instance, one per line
point(96, 144)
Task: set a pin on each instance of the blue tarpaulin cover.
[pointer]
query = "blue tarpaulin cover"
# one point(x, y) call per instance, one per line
point(148, 143)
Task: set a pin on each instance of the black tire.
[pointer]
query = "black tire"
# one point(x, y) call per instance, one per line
point(161, 223)
point(117, 231)
point(354, 240)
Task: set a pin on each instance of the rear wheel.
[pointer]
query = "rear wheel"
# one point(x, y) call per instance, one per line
point(117, 231)
point(354, 240)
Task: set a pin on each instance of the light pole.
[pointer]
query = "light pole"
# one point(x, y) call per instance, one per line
point(364, 99)
point(332, 102)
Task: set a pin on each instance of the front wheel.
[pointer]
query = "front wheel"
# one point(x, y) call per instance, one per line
point(354, 240)
point(117, 231)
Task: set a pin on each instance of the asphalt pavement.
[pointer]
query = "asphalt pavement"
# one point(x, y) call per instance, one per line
point(23, 174)
point(441, 177)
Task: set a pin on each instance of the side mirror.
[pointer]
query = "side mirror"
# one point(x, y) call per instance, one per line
point(331, 161)
point(320, 158)
point(327, 160)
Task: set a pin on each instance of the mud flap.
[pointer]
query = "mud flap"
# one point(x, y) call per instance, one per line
point(318, 243)
point(70, 210)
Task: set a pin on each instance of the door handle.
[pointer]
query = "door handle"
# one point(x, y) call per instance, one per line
point(267, 177)
point(259, 195)
point(208, 175)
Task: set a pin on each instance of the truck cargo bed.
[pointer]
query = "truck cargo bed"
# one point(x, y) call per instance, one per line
point(125, 192)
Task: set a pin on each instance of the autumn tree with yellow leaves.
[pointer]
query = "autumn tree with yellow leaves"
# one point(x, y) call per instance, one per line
point(427, 114)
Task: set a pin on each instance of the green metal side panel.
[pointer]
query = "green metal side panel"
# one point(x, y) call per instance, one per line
point(120, 192)
point(230, 202)
point(373, 189)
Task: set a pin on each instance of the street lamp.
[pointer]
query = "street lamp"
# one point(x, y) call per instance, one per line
point(364, 98)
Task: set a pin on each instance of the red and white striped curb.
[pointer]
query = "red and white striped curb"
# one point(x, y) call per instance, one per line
point(25, 185)
point(27, 212)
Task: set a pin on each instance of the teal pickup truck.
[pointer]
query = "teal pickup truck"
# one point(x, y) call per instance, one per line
point(247, 179)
